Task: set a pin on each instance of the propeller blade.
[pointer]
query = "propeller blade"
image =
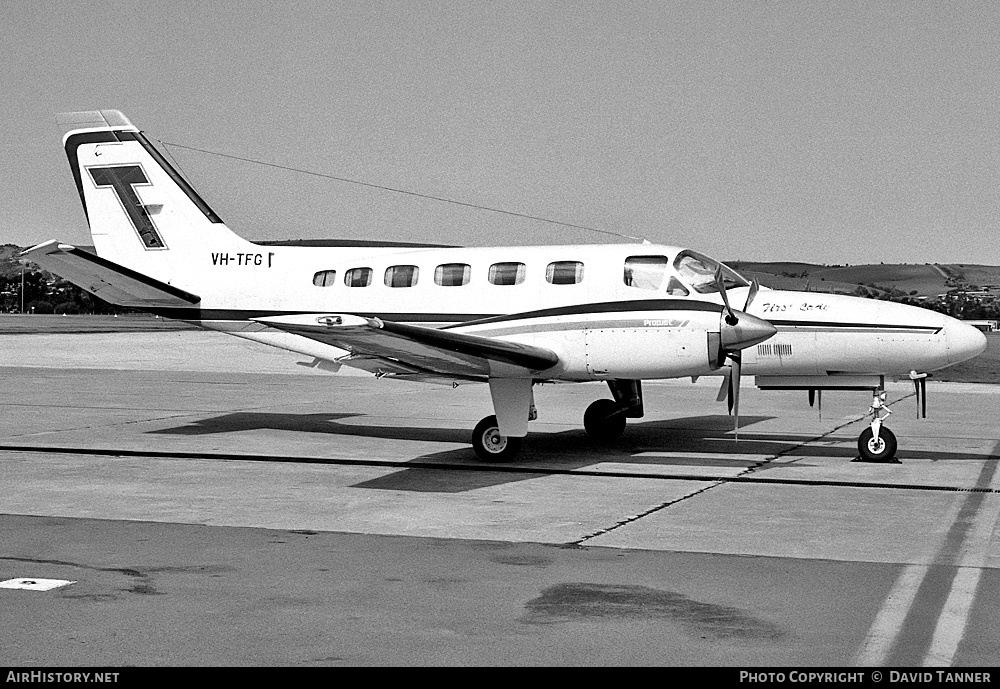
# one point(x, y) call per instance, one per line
point(920, 390)
point(920, 387)
point(751, 293)
point(724, 388)
point(734, 399)
point(720, 283)
point(923, 397)
point(734, 385)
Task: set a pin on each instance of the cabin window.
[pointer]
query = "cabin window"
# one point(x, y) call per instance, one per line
point(564, 272)
point(645, 272)
point(401, 276)
point(325, 278)
point(358, 277)
point(452, 274)
point(506, 273)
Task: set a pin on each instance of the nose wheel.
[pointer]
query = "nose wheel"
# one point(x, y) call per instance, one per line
point(877, 443)
point(880, 449)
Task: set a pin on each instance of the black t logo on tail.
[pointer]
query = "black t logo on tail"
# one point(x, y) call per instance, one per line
point(123, 179)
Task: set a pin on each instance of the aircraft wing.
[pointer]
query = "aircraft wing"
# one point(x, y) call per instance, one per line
point(418, 349)
point(111, 282)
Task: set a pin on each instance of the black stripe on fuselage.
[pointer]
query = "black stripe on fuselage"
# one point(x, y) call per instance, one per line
point(846, 326)
point(603, 307)
point(196, 314)
point(456, 319)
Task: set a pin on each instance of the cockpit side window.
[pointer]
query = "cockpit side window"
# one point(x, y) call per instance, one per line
point(676, 289)
point(698, 271)
point(645, 272)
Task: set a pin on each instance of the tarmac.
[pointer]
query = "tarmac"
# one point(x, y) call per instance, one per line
point(215, 503)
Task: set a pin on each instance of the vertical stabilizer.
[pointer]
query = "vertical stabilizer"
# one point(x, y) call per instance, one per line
point(142, 213)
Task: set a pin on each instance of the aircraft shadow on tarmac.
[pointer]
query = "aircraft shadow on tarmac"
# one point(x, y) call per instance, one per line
point(709, 439)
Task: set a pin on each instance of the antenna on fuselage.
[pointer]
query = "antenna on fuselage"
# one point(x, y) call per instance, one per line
point(382, 187)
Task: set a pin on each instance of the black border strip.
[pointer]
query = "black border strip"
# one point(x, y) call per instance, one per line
point(174, 174)
point(108, 136)
point(471, 465)
point(74, 142)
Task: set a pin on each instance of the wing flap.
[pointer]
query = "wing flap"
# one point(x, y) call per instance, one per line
point(111, 282)
point(427, 349)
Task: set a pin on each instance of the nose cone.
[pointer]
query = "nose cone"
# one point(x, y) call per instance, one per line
point(964, 341)
point(748, 331)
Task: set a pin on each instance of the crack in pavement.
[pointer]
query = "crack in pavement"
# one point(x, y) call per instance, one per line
point(742, 474)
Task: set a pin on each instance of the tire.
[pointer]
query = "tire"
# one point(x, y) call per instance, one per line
point(490, 446)
point(604, 421)
point(883, 451)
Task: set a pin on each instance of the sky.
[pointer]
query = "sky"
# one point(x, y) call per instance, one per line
point(826, 132)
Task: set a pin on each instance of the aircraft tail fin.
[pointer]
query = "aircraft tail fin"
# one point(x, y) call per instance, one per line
point(142, 213)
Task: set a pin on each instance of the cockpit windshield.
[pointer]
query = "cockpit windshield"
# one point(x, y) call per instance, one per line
point(698, 271)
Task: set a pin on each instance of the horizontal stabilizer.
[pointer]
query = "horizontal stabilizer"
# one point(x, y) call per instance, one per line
point(111, 282)
point(426, 349)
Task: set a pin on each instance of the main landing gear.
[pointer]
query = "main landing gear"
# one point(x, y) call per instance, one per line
point(604, 422)
point(490, 446)
point(605, 419)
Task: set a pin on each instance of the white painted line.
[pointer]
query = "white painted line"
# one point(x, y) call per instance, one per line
point(889, 621)
point(951, 625)
point(29, 584)
point(950, 629)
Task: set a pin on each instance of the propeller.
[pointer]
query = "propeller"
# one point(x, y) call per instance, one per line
point(737, 331)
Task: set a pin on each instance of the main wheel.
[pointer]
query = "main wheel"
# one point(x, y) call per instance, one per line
point(604, 421)
point(490, 445)
point(881, 450)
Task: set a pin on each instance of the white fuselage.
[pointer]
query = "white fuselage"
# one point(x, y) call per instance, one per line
point(600, 326)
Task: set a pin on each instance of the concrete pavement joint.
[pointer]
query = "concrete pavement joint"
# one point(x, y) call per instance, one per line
point(742, 475)
point(637, 517)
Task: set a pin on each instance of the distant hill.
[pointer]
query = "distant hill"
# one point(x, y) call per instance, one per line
point(8, 263)
point(928, 280)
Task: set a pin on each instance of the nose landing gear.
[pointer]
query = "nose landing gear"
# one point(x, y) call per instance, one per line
point(876, 443)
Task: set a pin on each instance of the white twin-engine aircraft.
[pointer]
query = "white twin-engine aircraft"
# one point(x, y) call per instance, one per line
point(510, 317)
